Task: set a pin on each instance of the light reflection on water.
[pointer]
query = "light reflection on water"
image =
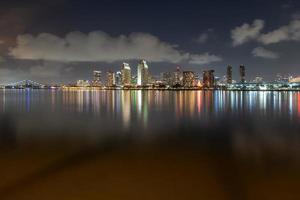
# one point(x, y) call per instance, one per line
point(120, 110)
point(184, 102)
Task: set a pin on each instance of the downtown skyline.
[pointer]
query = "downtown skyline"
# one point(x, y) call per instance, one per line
point(85, 36)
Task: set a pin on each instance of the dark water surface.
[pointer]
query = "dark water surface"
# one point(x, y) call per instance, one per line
point(142, 111)
point(167, 144)
point(233, 118)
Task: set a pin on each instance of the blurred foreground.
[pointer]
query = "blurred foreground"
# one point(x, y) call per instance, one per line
point(210, 163)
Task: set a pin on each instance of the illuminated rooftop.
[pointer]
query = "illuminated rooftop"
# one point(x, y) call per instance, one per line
point(295, 80)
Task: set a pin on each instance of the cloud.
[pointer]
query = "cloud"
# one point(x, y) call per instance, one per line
point(290, 32)
point(204, 59)
point(246, 32)
point(202, 38)
point(264, 53)
point(96, 46)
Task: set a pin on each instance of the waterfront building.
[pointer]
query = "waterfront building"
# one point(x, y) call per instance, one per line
point(243, 73)
point(166, 78)
point(258, 80)
point(188, 79)
point(295, 80)
point(229, 74)
point(118, 78)
point(177, 79)
point(208, 79)
point(142, 73)
point(111, 79)
point(82, 83)
point(126, 74)
point(284, 79)
point(97, 78)
point(134, 80)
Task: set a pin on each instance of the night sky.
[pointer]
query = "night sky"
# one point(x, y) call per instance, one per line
point(61, 41)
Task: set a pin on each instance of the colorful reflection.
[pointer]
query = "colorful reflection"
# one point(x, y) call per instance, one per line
point(142, 108)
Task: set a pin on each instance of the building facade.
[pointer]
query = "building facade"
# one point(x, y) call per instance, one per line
point(166, 78)
point(142, 73)
point(243, 74)
point(82, 83)
point(118, 78)
point(126, 74)
point(177, 77)
point(229, 75)
point(188, 79)
point(110, 79)
point(97, 78)
point(208, 79)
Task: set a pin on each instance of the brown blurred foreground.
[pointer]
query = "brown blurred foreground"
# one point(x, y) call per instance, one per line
point(138, 172)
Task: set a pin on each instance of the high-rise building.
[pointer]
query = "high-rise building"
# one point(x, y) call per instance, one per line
point(177, 77)
point(229, 74)
point(188, 79)
point(143, 73)
point(166, 78)
point(111, 79)
point(208, 79)
point(126, 74)
point(118, 78)
point(243, 73)
point(96, 78)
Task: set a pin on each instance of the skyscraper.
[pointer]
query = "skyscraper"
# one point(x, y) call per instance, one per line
point(188, 79)
point(243, 74)
point(229, 74)
point(208, 79)
point(143, 73)
point(166, 77)
point(118, 78)
point(126, 74)
point(177, 77)
point(96, 78)
point(111, 79)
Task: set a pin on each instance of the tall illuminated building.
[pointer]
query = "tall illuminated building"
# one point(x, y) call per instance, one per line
point(143, 73)
point(118, 78)
point(126, 74)
point(243, 73)
point(111, 79)
point(177, 77)
point(188, 79)
point(97, 78)
point(166, 77)
point(208, 79)
point(229, 74)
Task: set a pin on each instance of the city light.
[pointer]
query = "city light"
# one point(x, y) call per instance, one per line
point(169, 80)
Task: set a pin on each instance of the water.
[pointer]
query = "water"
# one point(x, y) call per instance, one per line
point(227, 144)
point(98, 112)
